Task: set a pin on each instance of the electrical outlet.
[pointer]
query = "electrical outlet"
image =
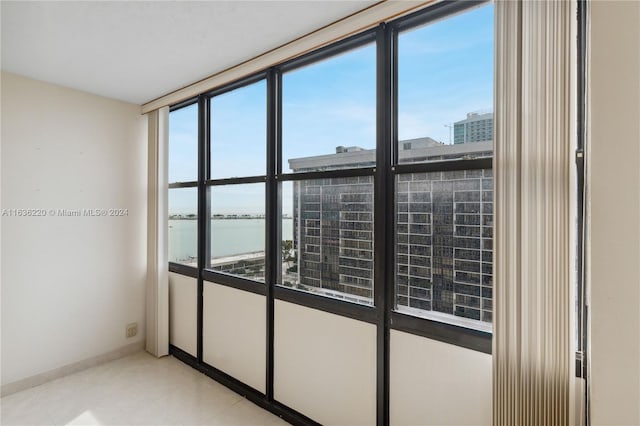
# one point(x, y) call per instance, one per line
point(132, 329)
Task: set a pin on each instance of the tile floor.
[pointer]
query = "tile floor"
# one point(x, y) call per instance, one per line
point(136, 390)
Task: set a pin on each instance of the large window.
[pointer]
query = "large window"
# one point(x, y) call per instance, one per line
point(445, 87)
point(238, 230)
point(329, 108)
point(239, 132)
point(329, 129)
point(236, 189)
point(444, 196)
point(444, 245)
point(183, 193)
point(355, 179)
point(330, 222)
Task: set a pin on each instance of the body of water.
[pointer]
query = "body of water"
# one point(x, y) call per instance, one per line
point(228, 237)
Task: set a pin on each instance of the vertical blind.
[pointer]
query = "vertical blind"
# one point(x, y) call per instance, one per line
point(157, 316)
point(535, 137)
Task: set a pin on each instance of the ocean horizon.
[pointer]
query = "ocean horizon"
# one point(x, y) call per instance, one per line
point(228, 237)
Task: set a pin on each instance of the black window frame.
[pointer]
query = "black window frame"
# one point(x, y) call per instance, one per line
point(336, 306)
point(387, 167)
point(176, 267)
point(209, 274)
point(445, 332)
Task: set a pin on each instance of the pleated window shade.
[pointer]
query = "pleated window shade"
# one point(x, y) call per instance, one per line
point(534, 216)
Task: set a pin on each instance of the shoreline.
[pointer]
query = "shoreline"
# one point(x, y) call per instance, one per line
point(225, 218)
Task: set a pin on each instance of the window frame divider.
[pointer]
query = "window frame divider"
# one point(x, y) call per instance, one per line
point(234, 281)
point(177, 185)
point(332, 50)
point(203, 207)
point(477, 340)
point(383, 215)
point(236, 180)
point(182, 269)
point(287, 413)
point(443, 166)
point(441, 9)
point(364, 313)
point(238, 84)
point(183, 104)
point(328, 174)
point(273, 232)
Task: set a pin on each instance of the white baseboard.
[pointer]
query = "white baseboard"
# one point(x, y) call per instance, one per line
point(66, 370)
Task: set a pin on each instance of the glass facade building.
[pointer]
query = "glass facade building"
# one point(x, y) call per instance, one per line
point(444, 229)
point(333, 237)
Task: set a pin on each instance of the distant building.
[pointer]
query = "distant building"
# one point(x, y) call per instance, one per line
point(444, 230)
point(477, 127)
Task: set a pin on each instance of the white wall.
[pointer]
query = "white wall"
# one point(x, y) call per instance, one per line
point(183, 313)
point(234, 333)
point(325, 365)
point(435, 383)
point(69, 284)
point(614, 188)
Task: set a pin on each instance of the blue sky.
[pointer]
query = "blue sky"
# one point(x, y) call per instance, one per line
point(445, 71)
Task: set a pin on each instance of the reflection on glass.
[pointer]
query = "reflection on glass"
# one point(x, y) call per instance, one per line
point(329, 107)
point(183, 144)
point(445, 89)
point(238, 230)
point(183, 226)
point(444, 246)
point(330, 252)
point(239, 131)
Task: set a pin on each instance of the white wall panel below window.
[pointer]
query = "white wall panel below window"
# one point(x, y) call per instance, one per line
point(325, 365)
point(234, 333)
point(183, 308)
point(435, 383)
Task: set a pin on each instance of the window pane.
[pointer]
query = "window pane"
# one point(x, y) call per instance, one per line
point(445, 89)
point(329, 107)
point(238, 230)
point(183, 226)
point(183, 144)
point(444, 250)
point(327, 233)
point(239, 132)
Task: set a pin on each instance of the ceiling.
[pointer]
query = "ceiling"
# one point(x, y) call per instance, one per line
point(137, 51)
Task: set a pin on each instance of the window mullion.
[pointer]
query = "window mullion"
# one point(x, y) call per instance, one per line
point(203, 213)
point(273, 230)
point(383, 215)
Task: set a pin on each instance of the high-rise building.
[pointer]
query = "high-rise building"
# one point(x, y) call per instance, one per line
point(444, 224)
point(477, 127)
